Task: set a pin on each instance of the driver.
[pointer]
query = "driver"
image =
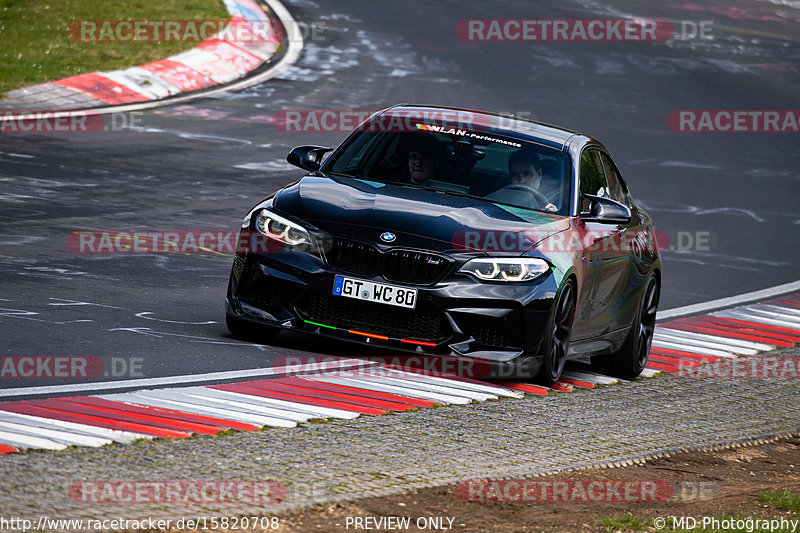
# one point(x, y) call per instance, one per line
point(525, 168)
point(525, 171)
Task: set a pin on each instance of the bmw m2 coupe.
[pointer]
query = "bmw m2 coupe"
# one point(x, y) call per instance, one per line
point(460, 233)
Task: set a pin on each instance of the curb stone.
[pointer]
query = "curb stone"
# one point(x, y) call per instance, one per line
point(217, 64)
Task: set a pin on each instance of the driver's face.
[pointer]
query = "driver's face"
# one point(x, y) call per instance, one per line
point(420, 167)
point(525, 174)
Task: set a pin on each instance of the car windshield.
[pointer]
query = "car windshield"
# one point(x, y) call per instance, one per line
point(489, 166)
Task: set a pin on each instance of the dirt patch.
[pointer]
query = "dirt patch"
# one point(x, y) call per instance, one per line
point(686, 484)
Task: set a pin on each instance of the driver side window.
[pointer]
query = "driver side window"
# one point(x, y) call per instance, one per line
point(617, 188)
point(592, 178)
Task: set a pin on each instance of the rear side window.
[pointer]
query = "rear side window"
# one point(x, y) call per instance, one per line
point(592, 178)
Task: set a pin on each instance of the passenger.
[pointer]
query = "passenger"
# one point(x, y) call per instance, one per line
point(424, 159)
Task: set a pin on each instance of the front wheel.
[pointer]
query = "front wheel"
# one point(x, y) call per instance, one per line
point(631, 359)
point(555, 345)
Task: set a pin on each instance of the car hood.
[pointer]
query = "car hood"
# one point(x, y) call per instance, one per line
point(419, 218)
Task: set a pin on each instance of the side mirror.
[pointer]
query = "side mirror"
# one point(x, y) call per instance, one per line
point(606, 211)
point(307, 157)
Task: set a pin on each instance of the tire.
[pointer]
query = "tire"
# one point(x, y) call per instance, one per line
point(630, 360)
point(250, 331)
point(555, 345)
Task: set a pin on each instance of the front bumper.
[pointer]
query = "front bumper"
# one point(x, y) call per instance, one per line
point(456, 316)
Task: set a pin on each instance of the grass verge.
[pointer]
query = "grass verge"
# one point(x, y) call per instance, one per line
point(623, 523)
point(35, 43)
point(781, 500)
point(786, 500)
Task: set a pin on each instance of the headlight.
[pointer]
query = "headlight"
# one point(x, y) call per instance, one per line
point(283, 230)
point(505, 269)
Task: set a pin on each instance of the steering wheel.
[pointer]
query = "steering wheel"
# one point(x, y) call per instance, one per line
point(521, 187)
point(555, 199)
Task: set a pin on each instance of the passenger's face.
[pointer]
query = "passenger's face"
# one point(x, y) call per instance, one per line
point(420, 167)
point(525, 174)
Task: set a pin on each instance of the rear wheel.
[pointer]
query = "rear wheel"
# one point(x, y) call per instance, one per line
point(631, 359)
point(250, 331)
point(555, 345)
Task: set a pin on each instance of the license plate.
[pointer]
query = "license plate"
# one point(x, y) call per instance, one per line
point(368, 291)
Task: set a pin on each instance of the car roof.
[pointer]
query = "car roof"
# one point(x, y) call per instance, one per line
point(509, 125)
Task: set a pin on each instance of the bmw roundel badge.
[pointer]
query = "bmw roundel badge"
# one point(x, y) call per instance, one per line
point(388, 237)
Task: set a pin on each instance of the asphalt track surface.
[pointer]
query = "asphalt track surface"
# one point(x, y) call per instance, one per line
point(201, 166)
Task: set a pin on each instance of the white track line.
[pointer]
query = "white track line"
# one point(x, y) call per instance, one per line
point(315, 410)
point(692, 349)
point(723, 340)
point(650, 372)
point(97, 431)
point(731, 301)
point(446, 386)
point(790, 311)
point(459, 384)
point(425, 387)
point(19, 440)
point(591, 377)
point(372, 385)
point(175, 380)
point(715, 340)
point(263, 416)
point(211, 395)
point(765, 310)
point(752, 316)
point(298, 412)
point(64, 437)
point(704, 344)
point(694, 343)
point(141, 400)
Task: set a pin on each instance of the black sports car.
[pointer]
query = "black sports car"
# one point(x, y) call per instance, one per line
point(459, 233)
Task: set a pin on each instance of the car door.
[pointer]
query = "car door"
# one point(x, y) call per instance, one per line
point(600, 255)
point(620, 272)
